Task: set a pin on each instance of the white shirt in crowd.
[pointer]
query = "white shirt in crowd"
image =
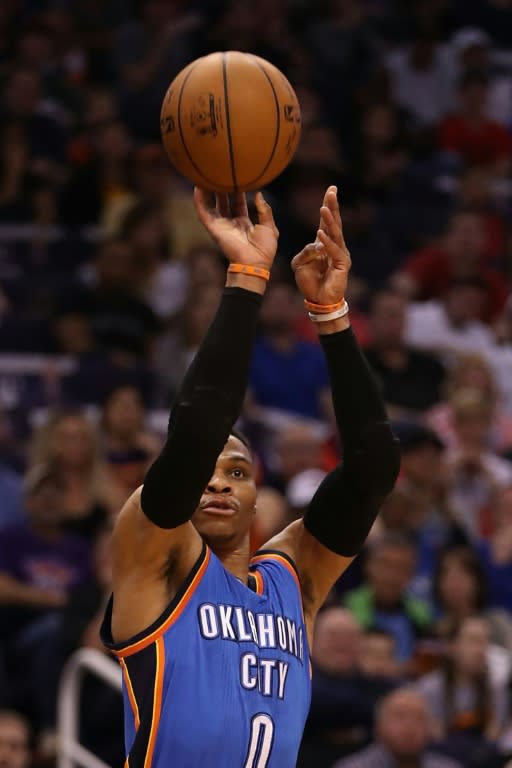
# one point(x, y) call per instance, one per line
point(428, 327)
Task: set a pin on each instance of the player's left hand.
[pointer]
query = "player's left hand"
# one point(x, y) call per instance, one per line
point(321, 268)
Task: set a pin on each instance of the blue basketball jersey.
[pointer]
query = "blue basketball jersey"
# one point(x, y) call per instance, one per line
point(222, 678)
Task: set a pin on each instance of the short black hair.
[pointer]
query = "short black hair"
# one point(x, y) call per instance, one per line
point(243, 438)
point(392, 540)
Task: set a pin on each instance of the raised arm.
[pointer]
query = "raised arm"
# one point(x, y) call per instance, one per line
point(154, 525)
point(346, 504)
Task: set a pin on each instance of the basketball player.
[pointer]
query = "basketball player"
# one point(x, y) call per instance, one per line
point(214, 646)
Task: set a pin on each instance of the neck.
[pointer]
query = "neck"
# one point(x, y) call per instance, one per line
point(408, 762)
point(462, 677)
point(76, 475)
point(462, 609)
point(393, 355)
point(236, 561)
point(118, 442)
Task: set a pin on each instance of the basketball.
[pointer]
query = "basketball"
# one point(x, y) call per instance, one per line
point(230, 121)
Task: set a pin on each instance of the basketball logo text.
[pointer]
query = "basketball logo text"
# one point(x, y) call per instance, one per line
point(266, 630)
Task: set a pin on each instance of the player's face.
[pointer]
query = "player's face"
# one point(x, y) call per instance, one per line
point(228, 504)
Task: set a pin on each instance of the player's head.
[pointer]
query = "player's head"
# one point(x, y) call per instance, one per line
point(228, 504)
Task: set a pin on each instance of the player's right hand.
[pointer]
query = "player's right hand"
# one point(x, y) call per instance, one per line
point(227, 220)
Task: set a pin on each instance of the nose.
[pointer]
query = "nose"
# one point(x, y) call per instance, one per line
point(218, 484)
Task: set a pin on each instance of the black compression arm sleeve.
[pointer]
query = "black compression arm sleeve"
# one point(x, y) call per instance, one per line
point(347, 502)
point(207, 406)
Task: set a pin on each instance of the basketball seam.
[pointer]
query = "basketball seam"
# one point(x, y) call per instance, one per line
point(182, 137)
point(228, 122)
point(278, 124)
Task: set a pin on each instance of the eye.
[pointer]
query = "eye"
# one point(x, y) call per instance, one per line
point(237, 473)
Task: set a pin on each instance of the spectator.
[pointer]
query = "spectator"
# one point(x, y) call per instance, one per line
point(155, 184)
point(162, 283)
point(39, 565)
point(468, 134)
point(341, 713)
point(410, 380)
point(279, 359)
point(15, 737)
point(100, 178)
point(461, 591)
point(477, 189)
point(298, 449)
point(403, 735)
point(475, 474)
point(121, 321)
point(496, 554)
point(468, 710)
point(473, 372)
point(68, 440)
point(181, 342)
point(451, 325)
point(419, 77)
point(11, 495)
point(500, 356)
point(459, 254)
point(128, 446)
point(380, 153)
point(22, 104)
point(427, 515)
point(383, 601)
point(79, 627)
point(377, 655)
point(148, 52)
point(473, 52)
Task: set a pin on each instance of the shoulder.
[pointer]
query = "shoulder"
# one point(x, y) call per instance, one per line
point(16, 532)
point(437, 761)
point(429, 685)
point(10, 481)
point(277, 560)
point(426, 361)
point(372, 757)
point(418, 610)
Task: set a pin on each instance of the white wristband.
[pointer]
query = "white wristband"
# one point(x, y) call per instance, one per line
point(319, 317)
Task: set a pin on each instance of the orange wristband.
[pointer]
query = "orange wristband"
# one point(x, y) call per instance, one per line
point(247, 269)
point(321, 309)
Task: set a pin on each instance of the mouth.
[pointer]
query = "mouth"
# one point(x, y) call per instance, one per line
point(218, 508)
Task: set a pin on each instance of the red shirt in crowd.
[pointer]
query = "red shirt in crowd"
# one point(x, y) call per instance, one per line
point(430, 267)
point(477, 143)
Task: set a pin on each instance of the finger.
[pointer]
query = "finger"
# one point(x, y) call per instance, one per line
point(330, 225)
point(339, 255)
point(223, 205)
point(324, 204)
point(334, 207)
point(308, 255)
point(264, 211)
point(204, 212)
point(240, 205)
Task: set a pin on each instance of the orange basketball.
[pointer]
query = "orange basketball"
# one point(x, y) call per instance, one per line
point(230, 121)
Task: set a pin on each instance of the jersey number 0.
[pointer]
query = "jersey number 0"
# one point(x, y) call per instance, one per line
point(260, 742)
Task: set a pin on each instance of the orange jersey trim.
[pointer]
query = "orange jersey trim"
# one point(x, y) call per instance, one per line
point(131, 694)
point(128, 650)
point(157, 700)
point(259, 582)
point(279, 559)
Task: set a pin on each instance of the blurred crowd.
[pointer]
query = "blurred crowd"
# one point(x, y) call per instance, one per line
point(108, 283)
